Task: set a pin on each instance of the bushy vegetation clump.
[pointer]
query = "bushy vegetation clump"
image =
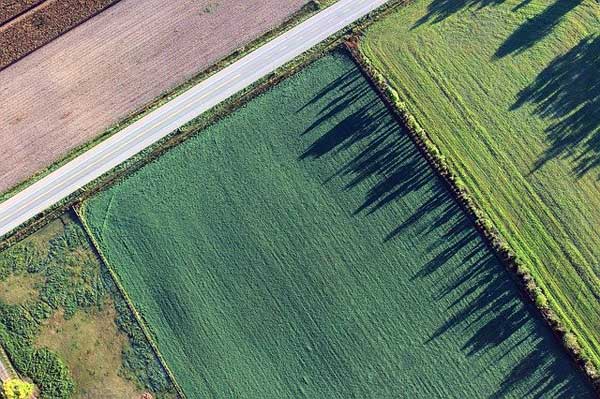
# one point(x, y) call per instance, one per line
point(73, 280)
point(15, 388)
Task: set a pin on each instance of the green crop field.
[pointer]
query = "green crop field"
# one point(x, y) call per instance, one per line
point(510, 91)
point(302, 247)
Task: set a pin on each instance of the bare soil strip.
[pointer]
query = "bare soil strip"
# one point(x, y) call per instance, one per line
point(9, 9)
point(42, 24)
point(69, 91)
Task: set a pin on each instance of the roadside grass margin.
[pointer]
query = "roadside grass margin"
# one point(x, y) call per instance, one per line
point(184, 132)
point(307, 11)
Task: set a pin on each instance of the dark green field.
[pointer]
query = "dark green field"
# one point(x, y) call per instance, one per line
point(510, 91)
point(303, 248)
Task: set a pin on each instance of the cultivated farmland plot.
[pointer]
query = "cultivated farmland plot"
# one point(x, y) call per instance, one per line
point(509, 92)
point(302, 247)
point(30, 24)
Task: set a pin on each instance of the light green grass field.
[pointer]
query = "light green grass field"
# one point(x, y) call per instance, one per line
point(303, 248)
point(509, 91)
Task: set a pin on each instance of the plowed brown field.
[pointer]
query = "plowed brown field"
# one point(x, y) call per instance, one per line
point(11, 8)
point(69, 91)
point(42, 24)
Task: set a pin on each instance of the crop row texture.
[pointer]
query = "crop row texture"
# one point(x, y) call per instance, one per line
point(43, 24)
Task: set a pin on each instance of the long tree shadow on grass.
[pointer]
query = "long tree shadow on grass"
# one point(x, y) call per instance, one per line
point(540, 358)
point(385, 153)
point(438, 10)
point(524, 37)
point(536, 28)
point(483, 305)
point(567, 92)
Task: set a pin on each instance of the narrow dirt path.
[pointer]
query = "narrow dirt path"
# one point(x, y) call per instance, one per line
point(6, 370)
point(4, 374)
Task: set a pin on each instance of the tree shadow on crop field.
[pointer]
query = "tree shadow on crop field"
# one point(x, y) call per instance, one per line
point(536, 28)
point(386, 156)
point(540, 358)
point(439, 10)
point(482, 303)
point(567, 92)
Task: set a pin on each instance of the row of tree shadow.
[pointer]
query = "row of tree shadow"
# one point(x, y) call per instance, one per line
point(524, 37)
point(386, 163)
point(566, 92)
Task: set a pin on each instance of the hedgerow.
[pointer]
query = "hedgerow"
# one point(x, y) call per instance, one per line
point(484, 225)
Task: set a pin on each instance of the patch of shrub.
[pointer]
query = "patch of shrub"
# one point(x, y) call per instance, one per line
point(570, 341)
point(74, 281)
point(541, 301)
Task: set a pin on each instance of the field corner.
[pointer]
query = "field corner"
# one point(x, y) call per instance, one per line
point(79, 212)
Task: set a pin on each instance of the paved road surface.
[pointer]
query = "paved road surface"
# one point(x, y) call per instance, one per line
point(159, 123)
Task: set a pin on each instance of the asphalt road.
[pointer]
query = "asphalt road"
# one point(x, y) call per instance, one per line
point(159, 123)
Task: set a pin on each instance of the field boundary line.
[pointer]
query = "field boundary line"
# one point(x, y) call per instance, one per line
point(46, 42)
point(528, 288)
point(22, 12)
point(77, 210)
point(40, 6)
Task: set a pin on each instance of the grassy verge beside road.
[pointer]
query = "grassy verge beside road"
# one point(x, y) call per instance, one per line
point(185, 132)
point(306, 12)
point(511, 113)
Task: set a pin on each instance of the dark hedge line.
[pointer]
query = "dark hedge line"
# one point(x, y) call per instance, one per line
point(518, 270)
